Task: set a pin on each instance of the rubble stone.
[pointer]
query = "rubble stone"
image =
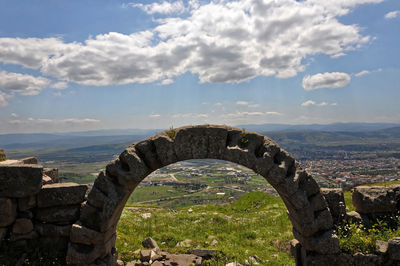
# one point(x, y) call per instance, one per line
point(375, 199)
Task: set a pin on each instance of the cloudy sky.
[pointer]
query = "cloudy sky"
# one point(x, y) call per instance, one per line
point(97, 64)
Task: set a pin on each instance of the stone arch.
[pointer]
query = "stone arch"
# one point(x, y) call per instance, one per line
point(92, 237)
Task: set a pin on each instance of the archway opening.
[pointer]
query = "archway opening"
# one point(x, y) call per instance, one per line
point(212, 205)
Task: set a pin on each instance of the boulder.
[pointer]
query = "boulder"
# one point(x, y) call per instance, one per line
point(60, 194)
point(19, 181)
point(381, 246)
point(150, 243)
point(375, 199)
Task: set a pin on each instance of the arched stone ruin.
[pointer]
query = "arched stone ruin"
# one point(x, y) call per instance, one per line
point(92, 237)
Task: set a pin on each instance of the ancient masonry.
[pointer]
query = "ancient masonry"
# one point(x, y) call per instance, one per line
point(34, 206)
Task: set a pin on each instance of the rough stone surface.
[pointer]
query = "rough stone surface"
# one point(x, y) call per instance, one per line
point(61, 194)
point(84, 254)
point(19, 181)
point(336, 203)
point(29, 160)
point(53, 230)
point(52, 173)
point(22, 226)
point(8, 211)
point(26, 203)
point(46, 180)
point(381, 246)
point(204, 253)
point(58, 214)
point(375, 199)
point(149, 243)
point(394, 249)
point(325, 243)
point(84, 235)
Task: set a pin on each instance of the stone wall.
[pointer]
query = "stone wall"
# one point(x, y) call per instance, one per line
point(34, 207)
point(371, 203)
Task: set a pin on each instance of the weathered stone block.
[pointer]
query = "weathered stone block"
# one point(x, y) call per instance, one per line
point(46, 180)
point(8, 211)
point(375, 199)
point(323, 243)
point(61, 194)
point(26, 203)
point(22, 226)
point(84, 255)
point(335, 199)
point(18, 181)
point(394, 249)
point(58, 214)
point(53, 230)
point(318, 202)
point(52, 173)
point(29, 160)
point(83, 235)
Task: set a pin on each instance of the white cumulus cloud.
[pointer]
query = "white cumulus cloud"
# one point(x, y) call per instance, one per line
point(313, 103)
point(61, 85)
point(392, 14)
point(220, 41)
point(164, 7)
point(22, 83)
point(4, 99)
point(326, 80)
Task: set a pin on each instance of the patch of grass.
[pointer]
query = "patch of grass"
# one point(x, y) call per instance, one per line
point(385, 184)
point(243, 139)
point(355, 237)
point(349, 201)
point(171, 133)
point(256, 224)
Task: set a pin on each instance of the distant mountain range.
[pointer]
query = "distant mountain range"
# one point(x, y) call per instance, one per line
point(305, 133)
point(334, 127)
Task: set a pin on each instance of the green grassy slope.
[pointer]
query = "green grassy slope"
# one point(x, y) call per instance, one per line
point(256, 224)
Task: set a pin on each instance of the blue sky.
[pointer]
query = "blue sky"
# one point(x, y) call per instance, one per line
point(96, 64)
